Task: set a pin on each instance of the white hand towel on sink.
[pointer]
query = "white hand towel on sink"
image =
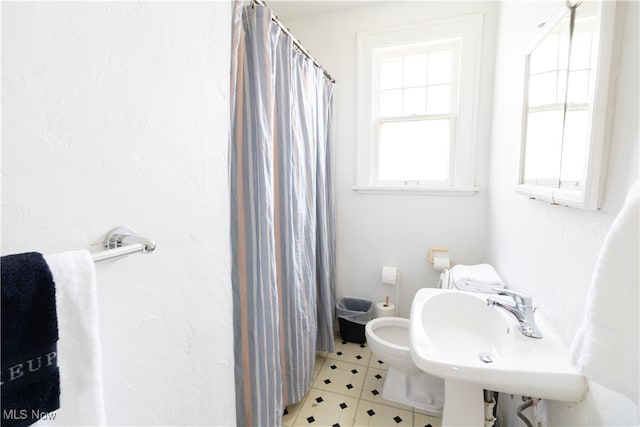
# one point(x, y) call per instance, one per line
point(476, 278)
point(605, 347)
point(79, 349)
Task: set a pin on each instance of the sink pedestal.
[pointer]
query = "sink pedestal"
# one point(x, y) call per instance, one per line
point(463, 404)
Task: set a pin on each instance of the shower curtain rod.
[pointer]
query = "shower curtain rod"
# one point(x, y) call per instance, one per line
point(296, 42)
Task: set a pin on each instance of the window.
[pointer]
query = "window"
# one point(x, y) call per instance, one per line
point(417, 107)
point(415, 97)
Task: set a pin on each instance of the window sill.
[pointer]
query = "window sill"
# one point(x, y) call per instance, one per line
point(574, 198)
point(409, 190)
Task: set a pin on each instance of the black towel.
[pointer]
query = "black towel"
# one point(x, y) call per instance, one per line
point(30, 378)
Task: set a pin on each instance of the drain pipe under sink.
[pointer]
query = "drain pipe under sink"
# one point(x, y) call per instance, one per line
point(489, 404)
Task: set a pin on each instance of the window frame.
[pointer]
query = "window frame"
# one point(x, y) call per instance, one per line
point(467, 31)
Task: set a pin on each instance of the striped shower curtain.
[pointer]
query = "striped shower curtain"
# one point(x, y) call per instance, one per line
point(282, 219)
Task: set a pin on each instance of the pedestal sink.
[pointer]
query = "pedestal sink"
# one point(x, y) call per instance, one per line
point(456, 336)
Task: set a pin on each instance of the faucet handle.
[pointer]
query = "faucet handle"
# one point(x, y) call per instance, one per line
point(523, 299)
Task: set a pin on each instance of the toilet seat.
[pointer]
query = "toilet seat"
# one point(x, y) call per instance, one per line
point(392, 332)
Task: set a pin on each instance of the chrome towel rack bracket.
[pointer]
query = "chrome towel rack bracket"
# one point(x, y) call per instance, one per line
point(123, 241)
point(123, 236)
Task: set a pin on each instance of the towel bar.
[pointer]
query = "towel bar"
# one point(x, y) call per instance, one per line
point(123, 241)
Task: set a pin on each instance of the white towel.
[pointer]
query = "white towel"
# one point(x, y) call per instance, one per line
point(476, 278)
point(445, 279)
point(79, 350)
point(605, 347)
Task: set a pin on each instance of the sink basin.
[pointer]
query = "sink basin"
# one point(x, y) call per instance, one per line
point(456, 336)
point(462, 331)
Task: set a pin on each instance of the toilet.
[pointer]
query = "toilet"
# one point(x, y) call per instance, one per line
point(388, 339)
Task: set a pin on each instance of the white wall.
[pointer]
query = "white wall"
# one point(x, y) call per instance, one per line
point(117, 114)
point(549, 251)
point(377, 230)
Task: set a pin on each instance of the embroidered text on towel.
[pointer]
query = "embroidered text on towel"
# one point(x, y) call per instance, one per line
point(25, 370)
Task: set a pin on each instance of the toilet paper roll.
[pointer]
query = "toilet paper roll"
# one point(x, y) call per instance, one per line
point(440, 264)
point(388, 311)
point(389, 275)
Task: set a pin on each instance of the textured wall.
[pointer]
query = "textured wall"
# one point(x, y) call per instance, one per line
point(117, 113)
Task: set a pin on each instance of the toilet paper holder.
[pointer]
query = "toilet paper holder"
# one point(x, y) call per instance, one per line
point(432, 250)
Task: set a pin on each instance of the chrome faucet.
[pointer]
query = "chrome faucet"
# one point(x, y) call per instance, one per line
point(521, 308)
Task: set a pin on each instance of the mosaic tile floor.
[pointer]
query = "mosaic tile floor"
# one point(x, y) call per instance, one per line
point(347, 392)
